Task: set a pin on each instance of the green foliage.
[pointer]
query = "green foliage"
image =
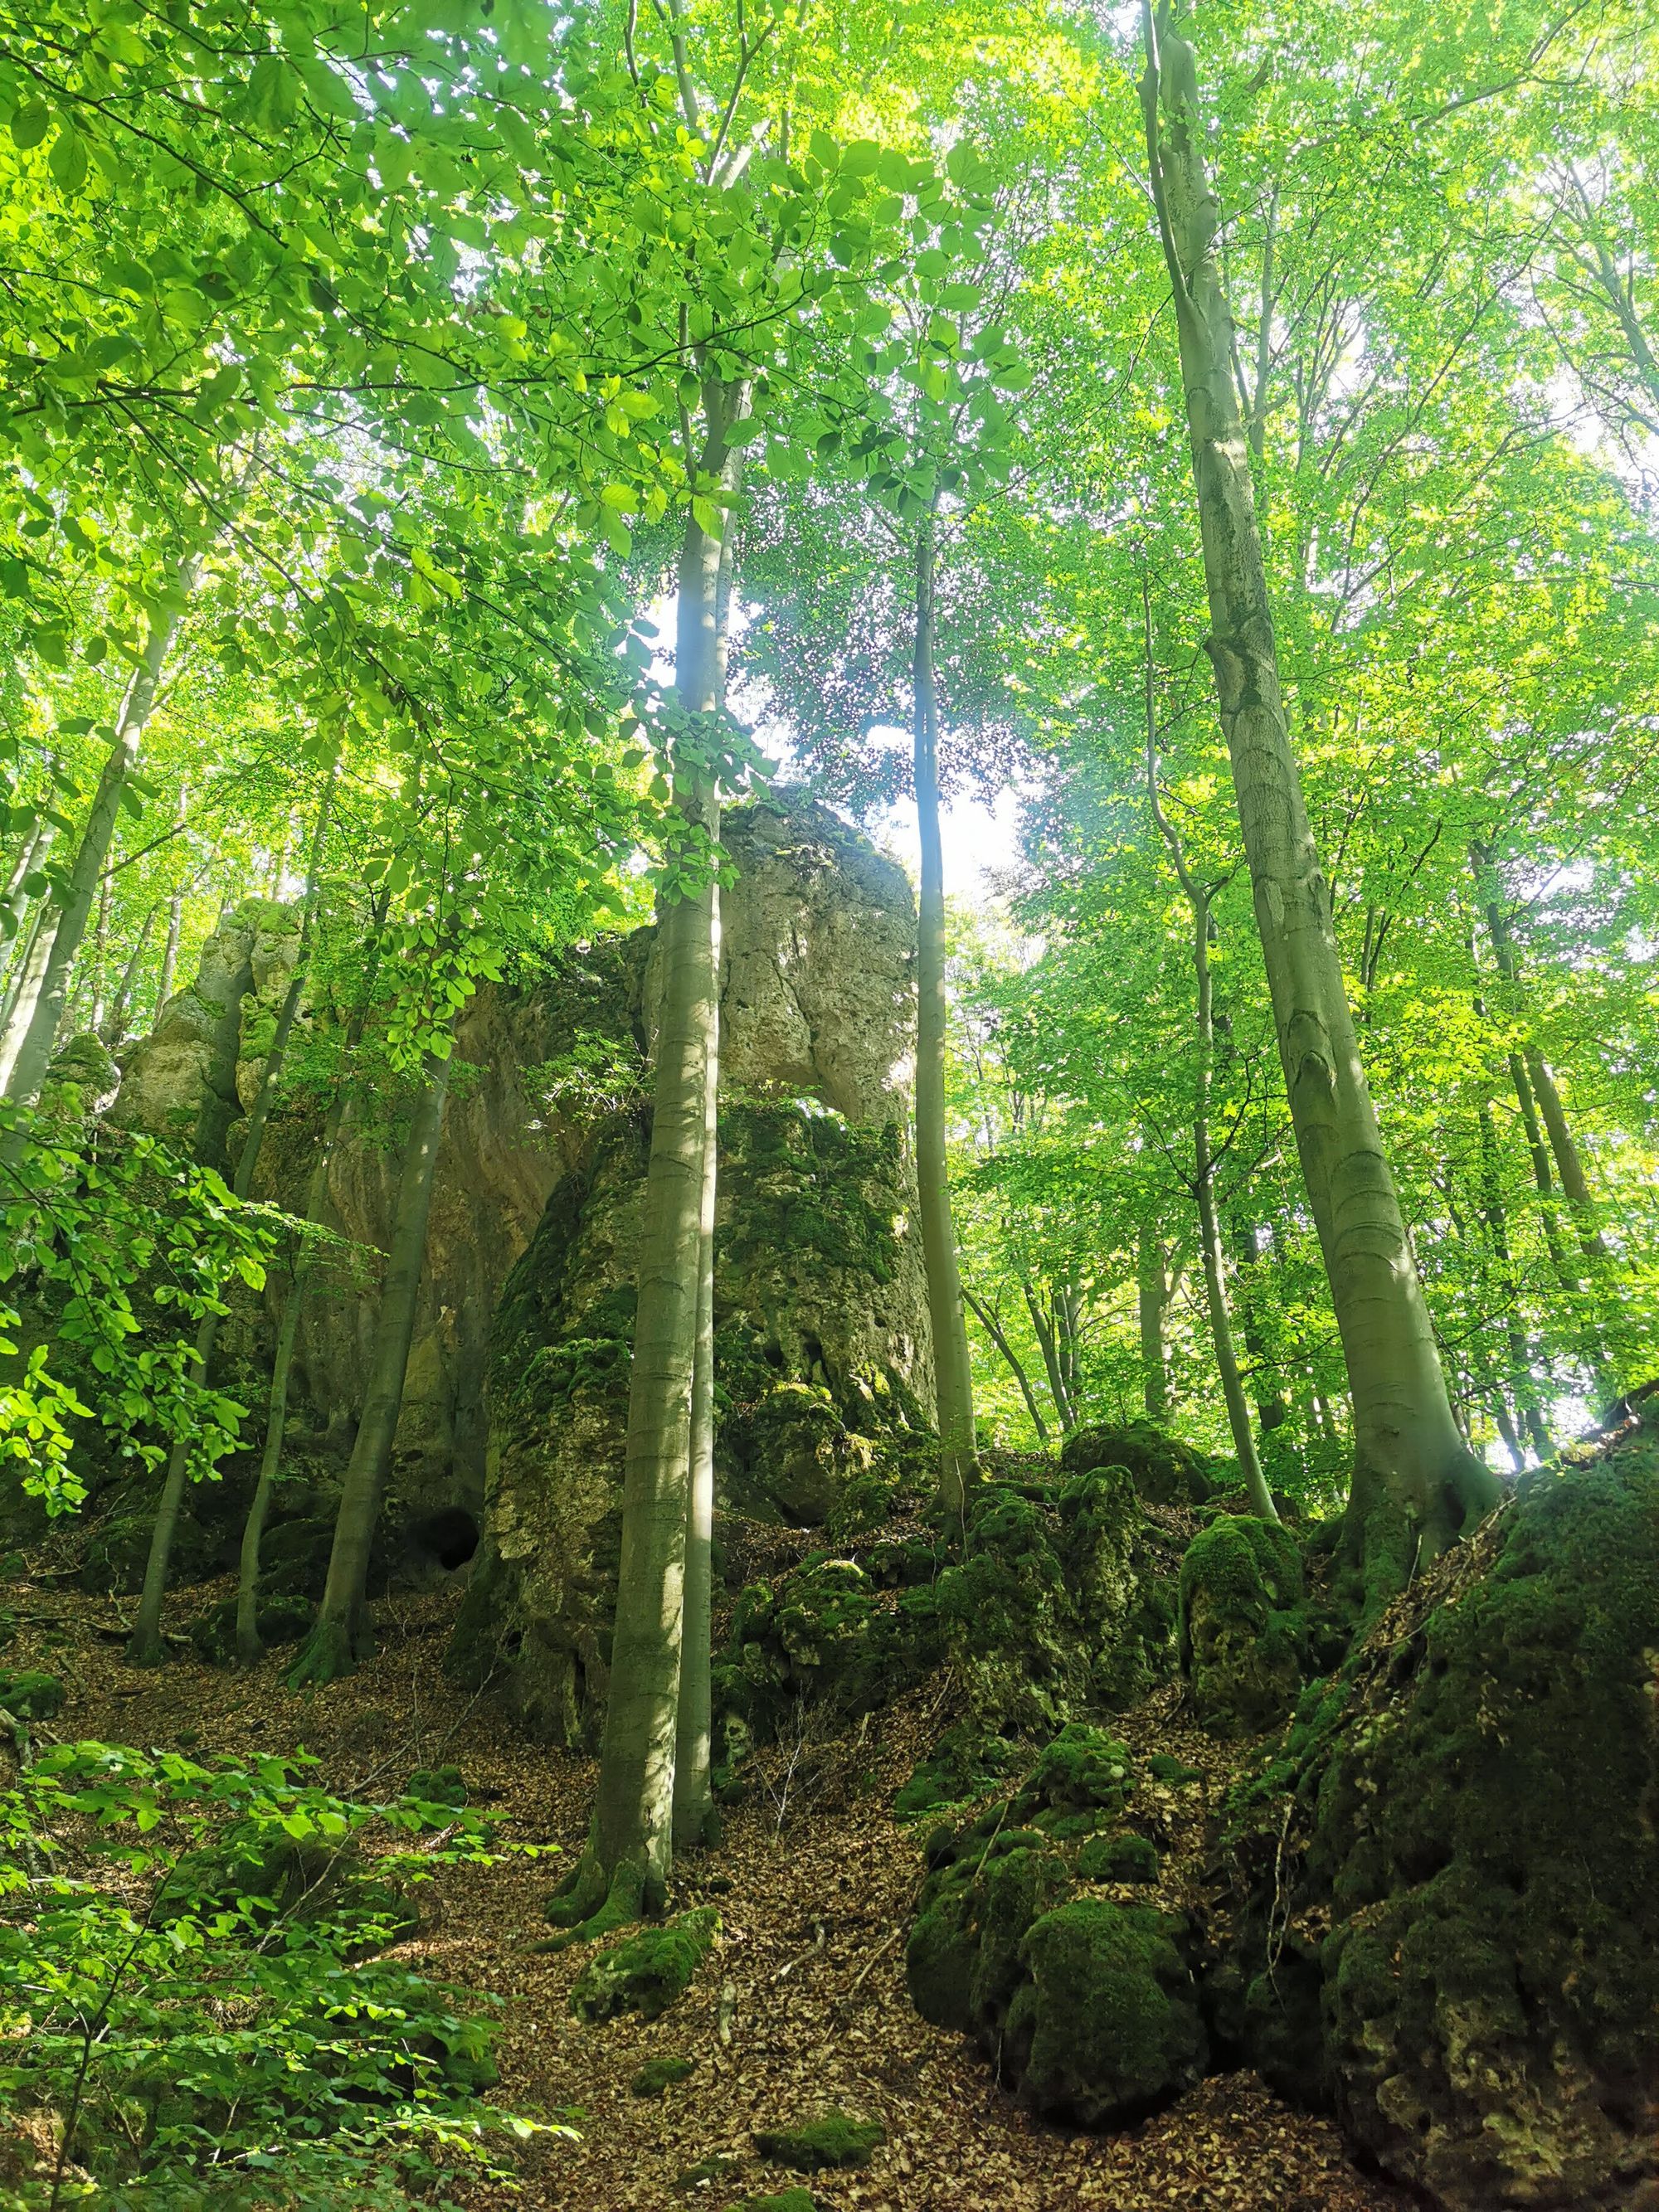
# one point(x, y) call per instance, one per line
point(658, 2075)
point(191, 1984)
point(831, 2141)
point(125, 1249)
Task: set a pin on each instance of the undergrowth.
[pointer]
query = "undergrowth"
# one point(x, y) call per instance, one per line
point(195, 2004)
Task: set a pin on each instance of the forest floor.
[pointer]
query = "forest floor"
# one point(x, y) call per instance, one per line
point(802, 2004)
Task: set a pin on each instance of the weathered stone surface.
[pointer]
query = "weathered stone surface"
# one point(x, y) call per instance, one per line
point(180, 1082)
point(1472, 1818)
point(1164, 1471)
point(820, 1302)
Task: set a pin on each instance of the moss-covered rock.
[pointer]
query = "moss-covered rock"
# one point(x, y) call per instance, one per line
point(785, 2200)
point(658, 2075)
point(825, 1633)
point(1243, 1623)
point(1471, 1813)
point(1107, 2026)
point(648, 1971)
point(966, 1763)
point(830, 2141)
point(30, 1695)
point(1060, 1601)
point(1125, 1858)
point(1163, 1470)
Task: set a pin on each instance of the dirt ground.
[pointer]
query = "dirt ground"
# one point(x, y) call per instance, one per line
point(802, 2005)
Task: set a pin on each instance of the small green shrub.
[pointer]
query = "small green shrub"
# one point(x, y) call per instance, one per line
point(657, 2074)
point(192, 2022)
point(32, 1696)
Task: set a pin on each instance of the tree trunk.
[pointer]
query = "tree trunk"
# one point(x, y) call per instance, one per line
point(95, 965)
point(632, 1843)
point(953, 1378)
point(1271, 1410)
point(1416, 1484)
point(35, 1027)
point(145, 1648)
point(1042, 1328)
point(1015, 1364)
point(1509, 1288)
point(27, 982)
point(1151, 1286)
point(694, 1796)
point(341, 1635)
point(175, 916)
point(114, 1025)
point(14, 901)
point(249, 1648)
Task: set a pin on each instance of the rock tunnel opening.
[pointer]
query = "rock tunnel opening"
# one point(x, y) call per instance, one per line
point(448, 1538)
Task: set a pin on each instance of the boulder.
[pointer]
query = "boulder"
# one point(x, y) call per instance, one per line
point(1164, 1471)
point(1470, 1816)
point(1243, 1623)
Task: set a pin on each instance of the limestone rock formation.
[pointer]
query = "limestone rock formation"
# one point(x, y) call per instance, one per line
point(1472, 1822)
point(1243, 1623)
point(820, 1300)
point(183, 1082)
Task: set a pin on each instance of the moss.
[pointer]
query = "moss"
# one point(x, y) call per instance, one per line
point(824, 1633)
point(1163, 1470)
point(437, 1785)
point(1473, 1800)
point(1162, 1768)
point(1118, 1859)
point(1244, 1625)
point(29, 1695)
point(1082, 1766)
point(718, 2166)
point(659, 2075)
point(648, 1971)
point(833, 2140)
point(966, 1763)
point(786, 2200)
point(1108, 2028)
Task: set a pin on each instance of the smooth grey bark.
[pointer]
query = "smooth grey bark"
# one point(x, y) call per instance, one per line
point(28, 1054)
point(1416, 1484)
point(694, 1794)
point(1152, 1295)
point(26, 981)
point(631, 1845)
point(37, 850)
point(342, 1633)
point(1199, 898)
point(953, 1374)
point(176, 915)
point(1016, 1366)
point(144, 1649)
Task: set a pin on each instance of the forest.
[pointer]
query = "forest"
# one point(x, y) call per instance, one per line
point(828, 1105)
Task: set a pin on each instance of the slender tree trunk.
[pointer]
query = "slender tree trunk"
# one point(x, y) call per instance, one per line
point(1540, 1080)
point(342, 1634)
point(1209, 1228)
point(14, 901)
point(249, 1648)
point(1016, 1366)
point(144, 1649)
point(631, 1845)
point(175, 916)
point(1271, 1411)
point(1152, 1296)
point(36, 1028)
point(1416, 1484)
point(112, 1029)
point(694, 1794)
point(1509, 1288)
point(26, 983)
point(953, 1378)
point(1048, 1337)
point(100, 952)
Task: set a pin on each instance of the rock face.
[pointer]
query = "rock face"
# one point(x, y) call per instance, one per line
point(821, 1309)
point(819, 1296)
point(1476, 1797)
point(1243, 1623)
point(184, 1081)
